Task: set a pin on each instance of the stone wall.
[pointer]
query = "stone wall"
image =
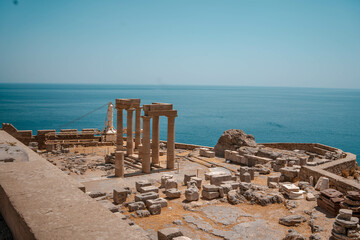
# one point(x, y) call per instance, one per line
point(330, 170)
point(24, 136)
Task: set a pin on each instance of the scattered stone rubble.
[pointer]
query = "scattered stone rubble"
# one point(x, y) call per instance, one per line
point(292, 220)
point(346, 227)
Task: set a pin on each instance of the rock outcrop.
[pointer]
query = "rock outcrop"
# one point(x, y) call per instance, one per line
point(233, 139)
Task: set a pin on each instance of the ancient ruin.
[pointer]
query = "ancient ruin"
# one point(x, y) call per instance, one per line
point(126, 183)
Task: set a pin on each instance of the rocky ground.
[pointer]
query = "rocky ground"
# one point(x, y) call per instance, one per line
point(202, 219)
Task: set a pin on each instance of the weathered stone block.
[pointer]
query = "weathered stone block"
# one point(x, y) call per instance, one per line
point(192, 194)
point(210, 188)
point(147, 189)
point(226, 187)
point(142, 213)
point(210, 195)
point(187, 178)
point(146, 196)
point(164, 178)
point(161, 201)
point(173, 193)
point(169, 233)
point(136, 206)
point(142, 183)
point(120, 195)
point(219, 178)
point(170, 183)
point(197, 180)
point(155, 209)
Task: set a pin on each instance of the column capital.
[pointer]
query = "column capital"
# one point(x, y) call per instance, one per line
point(146, 117)
point(130, 109)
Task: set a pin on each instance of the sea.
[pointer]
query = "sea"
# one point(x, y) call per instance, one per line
point(270, 114)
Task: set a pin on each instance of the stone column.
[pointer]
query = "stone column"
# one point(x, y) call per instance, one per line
point(119, 164)
point(129, 132)
point(137, 127)
point(119, 126)
point(155, 140)
point(146, 145)
point(170, 163)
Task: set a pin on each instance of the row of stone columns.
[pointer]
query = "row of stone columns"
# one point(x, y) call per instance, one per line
point(170, 161)
point(134, 104)
point(129, 132)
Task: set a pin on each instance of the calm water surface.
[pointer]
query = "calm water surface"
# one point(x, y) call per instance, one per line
point(328, 116)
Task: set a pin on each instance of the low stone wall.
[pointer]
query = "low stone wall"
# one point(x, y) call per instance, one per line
point(330, 170)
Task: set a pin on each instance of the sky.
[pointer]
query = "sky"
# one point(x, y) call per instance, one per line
point(182, 42)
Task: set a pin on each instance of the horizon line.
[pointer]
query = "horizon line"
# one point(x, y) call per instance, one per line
point(165, 85)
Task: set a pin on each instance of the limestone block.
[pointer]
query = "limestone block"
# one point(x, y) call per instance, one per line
point(247, 177)
point(120, 195)
point(173, 193)
point(142, 183)
point(192, 194)
point(197, 180)
point(226, 187)
point(142, 213)
point(136, 206)
point(227, 154)
point(170, 183)
point(161, 201)
point(273, 185)
point(146, 196)
point(324, 184)
point(219, 178)
point(210, 188)
point(319, 183)
point(310, 197)
point(210, 195)
point(234, 184)
point(187, 178)
point(204, 152)
point(272, 179)
point(155, 209)
point(147, 189)
point(165, 177)
point(169, 233)
point(107, 204)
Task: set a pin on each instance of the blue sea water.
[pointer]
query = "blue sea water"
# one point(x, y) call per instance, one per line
point(271, 114)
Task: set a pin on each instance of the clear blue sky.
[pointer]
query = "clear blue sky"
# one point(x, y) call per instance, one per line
point(303, 43)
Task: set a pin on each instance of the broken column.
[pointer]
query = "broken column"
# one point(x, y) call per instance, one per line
point(129, 132)
point(119, 164)
point(171, 143)
point(146, 145)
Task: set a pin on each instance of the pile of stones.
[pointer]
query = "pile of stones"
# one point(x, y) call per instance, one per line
point(346, 226)
point(210, 192)
point(278, 164)
point(352, 202)
point(292, 191)
point(171, 187)
point(330, 200)
point(147, 201)
point(257, 194)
